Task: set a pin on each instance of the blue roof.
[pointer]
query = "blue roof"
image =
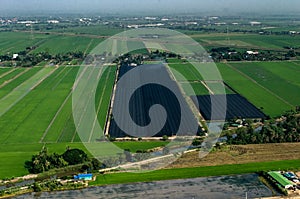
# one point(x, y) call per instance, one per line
point(85, 175)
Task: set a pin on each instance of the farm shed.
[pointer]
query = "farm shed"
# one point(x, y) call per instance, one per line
point(285, 183)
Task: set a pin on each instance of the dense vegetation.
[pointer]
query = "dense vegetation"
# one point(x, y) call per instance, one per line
point(27, 59)
point(44, 161)
point(231, 54)
point(284, 129)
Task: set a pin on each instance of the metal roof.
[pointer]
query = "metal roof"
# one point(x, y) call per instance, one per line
point(280, 179)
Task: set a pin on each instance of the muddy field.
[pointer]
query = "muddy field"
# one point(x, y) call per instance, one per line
point(212, 187)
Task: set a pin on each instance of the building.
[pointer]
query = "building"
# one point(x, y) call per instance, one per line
point(255, 23)
point(83, 177)
point(53, 21)
point(250, 52)
point(281, 180)
point(15, 56)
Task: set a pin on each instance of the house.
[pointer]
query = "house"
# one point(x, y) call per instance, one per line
point(53, 21)
point(255, 23)
point(15, 56)
point(250, 52)
point(83, 177)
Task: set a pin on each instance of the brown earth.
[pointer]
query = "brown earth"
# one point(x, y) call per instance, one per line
point(240, 154)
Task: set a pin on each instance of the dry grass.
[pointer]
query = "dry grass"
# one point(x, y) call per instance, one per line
point(241, 154)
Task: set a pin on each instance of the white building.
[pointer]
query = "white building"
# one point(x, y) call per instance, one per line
point(15, 56)
point(255, 23)
point(250, 52)
point(53, 21)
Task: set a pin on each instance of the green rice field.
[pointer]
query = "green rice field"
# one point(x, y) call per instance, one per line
point(272, 87)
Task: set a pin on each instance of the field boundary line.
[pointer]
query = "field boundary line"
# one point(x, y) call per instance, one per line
point(89, 98)
point(111, 102)
point(255, 82)
point(15, 77)
point(87, 48)
point(62, 132)
point(100, 103)
point(187, 99)
point(22, 86)
point(205, 85)
point(8, 72)
point(74, 134)
point(84, 109)
point(75, 84)
point(61, 79)
point(39, 82)
point(54, 118)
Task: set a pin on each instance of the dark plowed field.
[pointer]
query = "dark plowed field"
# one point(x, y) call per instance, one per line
point(234, 105)
point(144, 98)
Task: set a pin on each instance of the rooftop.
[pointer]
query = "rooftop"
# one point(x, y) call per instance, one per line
point(280, 179)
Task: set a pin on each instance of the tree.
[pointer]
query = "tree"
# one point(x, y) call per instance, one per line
point(36, 187)
point(128, 155)
point(165, 138)
point(75, 156)
point(96, 164)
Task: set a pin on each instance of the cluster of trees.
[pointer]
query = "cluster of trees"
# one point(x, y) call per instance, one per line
point(226, 53)
point(27, 59)
point(284, 129)
point(44, 161)
point(138, 58)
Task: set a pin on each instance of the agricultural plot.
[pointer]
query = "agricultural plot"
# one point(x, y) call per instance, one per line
point(153, 45)
point(218, 88)
point(62, 44)
point(194, 89)
point(185, 72)
point(4, 71)
point(36, 108)
point(262, 98)
point(280, 78)
point(147, 96)
point(141, 48)
point(7, 88)
point(62, 128)
point(247, 40)
point(182, 48)
point(92, 30)
point(272, 87)
point(218, 107)
point(18, 123)
point(16, 95)
point(7, 77)
point(13, 42)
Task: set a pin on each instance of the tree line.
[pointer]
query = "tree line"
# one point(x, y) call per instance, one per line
point(228, 54)
point(27, 59)
point(281, 130)
point(44, 161)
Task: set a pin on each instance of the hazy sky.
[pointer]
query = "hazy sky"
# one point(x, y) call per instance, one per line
point(149, 6)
